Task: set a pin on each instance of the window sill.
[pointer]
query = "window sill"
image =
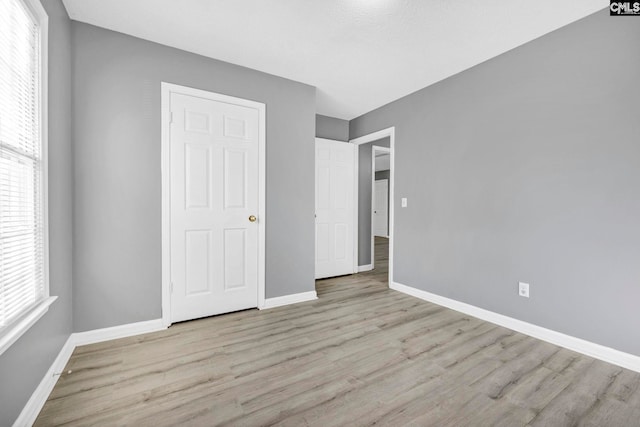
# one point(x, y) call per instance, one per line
point(16, 330)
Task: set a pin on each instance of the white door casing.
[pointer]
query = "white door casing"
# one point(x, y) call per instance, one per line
point(335, 208)
point(214, 156)
point(375, 136)
point(381, 208)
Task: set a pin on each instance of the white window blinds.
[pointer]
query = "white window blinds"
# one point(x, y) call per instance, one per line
point(22, 237)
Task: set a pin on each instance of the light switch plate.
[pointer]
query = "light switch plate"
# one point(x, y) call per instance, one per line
point(404, 202)
point(523, 289)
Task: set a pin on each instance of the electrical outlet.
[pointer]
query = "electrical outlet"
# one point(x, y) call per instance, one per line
point(523, 289)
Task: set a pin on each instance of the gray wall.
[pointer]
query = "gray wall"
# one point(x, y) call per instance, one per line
point(527, 168)
point(383, 175)
point(24, 364)
point(117, 242)
point(364, 198)
point(332, 128)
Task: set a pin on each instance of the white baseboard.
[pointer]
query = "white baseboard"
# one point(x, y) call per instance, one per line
point(115, 332)
point(37, 400)
point(597, 351)
point(289, 299)
point(33, 407)
point(367, 267)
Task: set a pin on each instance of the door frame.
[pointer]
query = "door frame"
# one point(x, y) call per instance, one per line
point(165, 159)
point(383, 133)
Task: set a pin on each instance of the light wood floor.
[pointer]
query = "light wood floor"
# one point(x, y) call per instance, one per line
point(361, 354)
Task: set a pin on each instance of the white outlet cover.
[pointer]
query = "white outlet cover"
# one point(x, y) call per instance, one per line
point(523, 289)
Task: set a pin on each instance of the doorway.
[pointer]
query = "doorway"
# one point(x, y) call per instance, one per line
point(380, 166)
point(213, 210)
point(374, 240)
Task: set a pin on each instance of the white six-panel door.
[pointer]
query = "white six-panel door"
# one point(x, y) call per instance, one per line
point(381, 208)
point(335, 208)
point(214, 197)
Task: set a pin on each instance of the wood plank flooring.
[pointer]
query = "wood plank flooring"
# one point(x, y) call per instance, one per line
point(381, 260)
point(361, 354)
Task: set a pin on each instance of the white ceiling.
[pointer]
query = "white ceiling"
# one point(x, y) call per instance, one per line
point(360, 54)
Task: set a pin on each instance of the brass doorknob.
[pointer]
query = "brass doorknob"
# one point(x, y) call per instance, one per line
point(252, 218)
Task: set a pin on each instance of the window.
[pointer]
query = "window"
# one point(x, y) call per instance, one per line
point(24, 291)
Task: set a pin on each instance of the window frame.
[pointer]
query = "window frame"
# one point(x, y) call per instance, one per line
point(30, 316)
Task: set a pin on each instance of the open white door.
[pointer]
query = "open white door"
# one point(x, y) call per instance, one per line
point(215, 191)
point(381, 208)
point(335, 208)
